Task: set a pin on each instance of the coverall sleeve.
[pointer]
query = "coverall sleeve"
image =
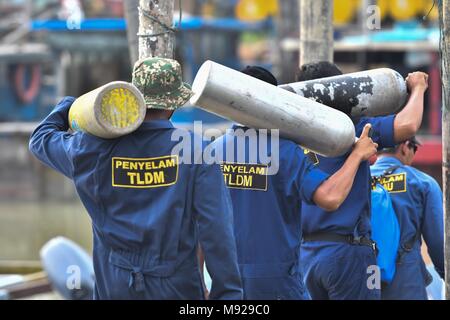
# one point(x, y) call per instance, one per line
point(305, 176)
point(383, 130)
point(433, 225)
point(214, 213)
point(51, 143)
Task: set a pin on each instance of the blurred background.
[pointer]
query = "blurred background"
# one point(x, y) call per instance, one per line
point(42, 60)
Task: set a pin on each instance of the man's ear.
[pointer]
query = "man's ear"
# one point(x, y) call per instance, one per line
point(404, 148)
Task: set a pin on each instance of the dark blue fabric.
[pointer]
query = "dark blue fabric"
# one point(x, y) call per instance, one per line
point(352, 218)
point(419, 210)
point(267, 223)
point(338, 271)
point(145, 239)
point(410, 279)
point(385, 232)
point(355, 211)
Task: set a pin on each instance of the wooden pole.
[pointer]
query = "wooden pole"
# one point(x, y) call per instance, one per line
point(132, 18)
point(444, 17)
point(156, 36)
point(316, 31)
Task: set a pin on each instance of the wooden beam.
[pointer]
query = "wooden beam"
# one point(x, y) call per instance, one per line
point(444, 17)
point(316, 31)
point(155, 21)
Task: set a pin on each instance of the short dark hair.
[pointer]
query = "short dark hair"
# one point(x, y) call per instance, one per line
point(317, 70)
point(261, 74)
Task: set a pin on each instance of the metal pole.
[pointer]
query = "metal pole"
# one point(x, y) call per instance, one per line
point(444, 17)
point(316, 31)
point(156, 36)
point(132, 17)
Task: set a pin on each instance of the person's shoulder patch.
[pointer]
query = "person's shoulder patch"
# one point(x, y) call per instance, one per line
point(394, 183)
point(144, 172)
point(245, 176)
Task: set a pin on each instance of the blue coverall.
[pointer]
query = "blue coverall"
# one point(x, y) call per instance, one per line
point(338, 270)
point(417, 201)
point(148, 210)
point(267, 213)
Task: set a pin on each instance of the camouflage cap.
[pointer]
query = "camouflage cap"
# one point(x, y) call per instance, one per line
point(161, 83)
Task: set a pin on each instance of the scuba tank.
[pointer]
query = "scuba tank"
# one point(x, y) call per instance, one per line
point(113, 110)
point(257, 104)
point(372, 93)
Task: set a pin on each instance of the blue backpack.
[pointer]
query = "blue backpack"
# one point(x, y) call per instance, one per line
point(385, 228)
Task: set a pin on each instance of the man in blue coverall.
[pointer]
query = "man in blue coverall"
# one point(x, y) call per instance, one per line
point(146, 236)
point(337, 251)
point(417, 201)
point(267, 202)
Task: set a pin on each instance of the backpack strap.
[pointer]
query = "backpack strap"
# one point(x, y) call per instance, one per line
point(408, 246)
point(390, 170)
point(387, 172)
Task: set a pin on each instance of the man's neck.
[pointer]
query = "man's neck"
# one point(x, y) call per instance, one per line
point(158, 114)
point(147, 119)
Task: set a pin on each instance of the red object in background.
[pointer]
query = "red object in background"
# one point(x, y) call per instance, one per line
point(115, 7)
point(435, 90)
point(103, 8)
point(27, 95)
point(430, 152)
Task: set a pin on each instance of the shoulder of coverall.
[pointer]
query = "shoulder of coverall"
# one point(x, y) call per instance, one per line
point(387, 161)
point(65, 104)
point(417, 179)
point(68, 99)
point(383, 130)
point(292, 155)
point(287, 147)
point(424, 182)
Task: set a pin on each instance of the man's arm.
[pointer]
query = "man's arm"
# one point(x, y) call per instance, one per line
point(214, 213)
point(408, 121)
point(50, 141)
point(433, 226)
point(332, 192)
